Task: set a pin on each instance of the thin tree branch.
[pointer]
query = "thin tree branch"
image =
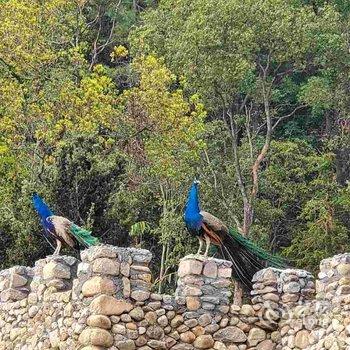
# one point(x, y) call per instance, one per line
point(287, 116)
point(100, 48)
point(248, 112)
point(211, 168)
point(236, 159)
point(12, 71)
point(265, 148)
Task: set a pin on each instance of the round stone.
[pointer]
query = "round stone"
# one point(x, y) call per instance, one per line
point(56, 270)
point(126, 345)
point(177, 321)
point(155, 332)
point(108, 305)
point(230, 334)
point(302, 339)
point(255, 336)
point(163, 321)
point(106, 266)
point(137, 314)
point(97, 285)
point(99, 321)
point(266, 345)
point(140, 295)
point(96, 336)
point(119, 329)
point(151, 317)
point(204, 342)
point(187, 337)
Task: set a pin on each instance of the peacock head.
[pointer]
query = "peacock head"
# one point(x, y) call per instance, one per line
point(196, 182)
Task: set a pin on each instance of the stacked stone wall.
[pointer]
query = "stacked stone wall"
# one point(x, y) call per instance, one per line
point(105, 301)
point(322, 320)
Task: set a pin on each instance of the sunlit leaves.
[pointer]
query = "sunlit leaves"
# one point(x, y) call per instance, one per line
point(28, 41)
point(217, 46)
point(317, 93)
point(173, 124)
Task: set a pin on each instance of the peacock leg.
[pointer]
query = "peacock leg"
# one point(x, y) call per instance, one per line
point(207, 241)
point(58, 248)
point(200, 245)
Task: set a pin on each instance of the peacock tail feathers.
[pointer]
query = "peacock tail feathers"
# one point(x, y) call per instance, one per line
point(83, 236)
point(271, 259)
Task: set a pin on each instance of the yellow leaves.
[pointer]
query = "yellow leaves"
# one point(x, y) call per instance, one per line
point(76, 54)
point(175, 124)
point(11, 109)
point(119, 52)
point(154, 73)
point(49, 160)
point(22, 44)
point(83, 108)
point(32, 33)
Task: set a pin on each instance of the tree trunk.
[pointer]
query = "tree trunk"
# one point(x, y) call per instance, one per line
point(248, 212)
point(161, 273)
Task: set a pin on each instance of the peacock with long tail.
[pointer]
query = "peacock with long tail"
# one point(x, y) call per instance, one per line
point(247, 258)
point(62, 229)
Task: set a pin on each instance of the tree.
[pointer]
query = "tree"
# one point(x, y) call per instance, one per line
point(165, 143)
point(112, 135)
point(244, 58)
point(247, 60)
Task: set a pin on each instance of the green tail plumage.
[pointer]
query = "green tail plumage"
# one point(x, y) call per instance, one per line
point(270, 259)
point(247, 258)
point(83, 236)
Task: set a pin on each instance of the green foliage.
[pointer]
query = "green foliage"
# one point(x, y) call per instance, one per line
point(218, 48)
point(111, 127)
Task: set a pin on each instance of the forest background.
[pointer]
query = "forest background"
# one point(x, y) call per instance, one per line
point(110, 109)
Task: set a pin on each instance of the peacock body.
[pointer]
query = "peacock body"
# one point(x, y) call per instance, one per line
point(247, 258)
point(62, 229)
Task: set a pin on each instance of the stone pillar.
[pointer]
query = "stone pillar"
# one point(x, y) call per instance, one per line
point(120, 272)
point(296, 286)
point(15, 283)
point(111, 280)
point(54, 274)
point(333, 284)
point(277, 291)
point(266, 297)
point(139, 274)
point(203, 284)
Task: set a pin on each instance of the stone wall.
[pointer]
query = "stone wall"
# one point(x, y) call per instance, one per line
point(321, 322)
point(105, 301)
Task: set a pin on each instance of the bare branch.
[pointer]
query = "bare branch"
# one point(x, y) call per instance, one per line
point(100, 48)
point(287, 115)
point(211, 168)
point(266, 146)
point(236, 158)
point(248, 113)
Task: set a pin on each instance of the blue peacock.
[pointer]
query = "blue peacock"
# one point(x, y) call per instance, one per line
point(61, 229)
point(247, 258)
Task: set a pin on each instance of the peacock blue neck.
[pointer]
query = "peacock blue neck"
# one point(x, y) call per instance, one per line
point(41, 207)
point(193, 218)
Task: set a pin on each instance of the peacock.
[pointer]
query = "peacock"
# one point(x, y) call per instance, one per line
point(247, 258)
point(61, 229)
